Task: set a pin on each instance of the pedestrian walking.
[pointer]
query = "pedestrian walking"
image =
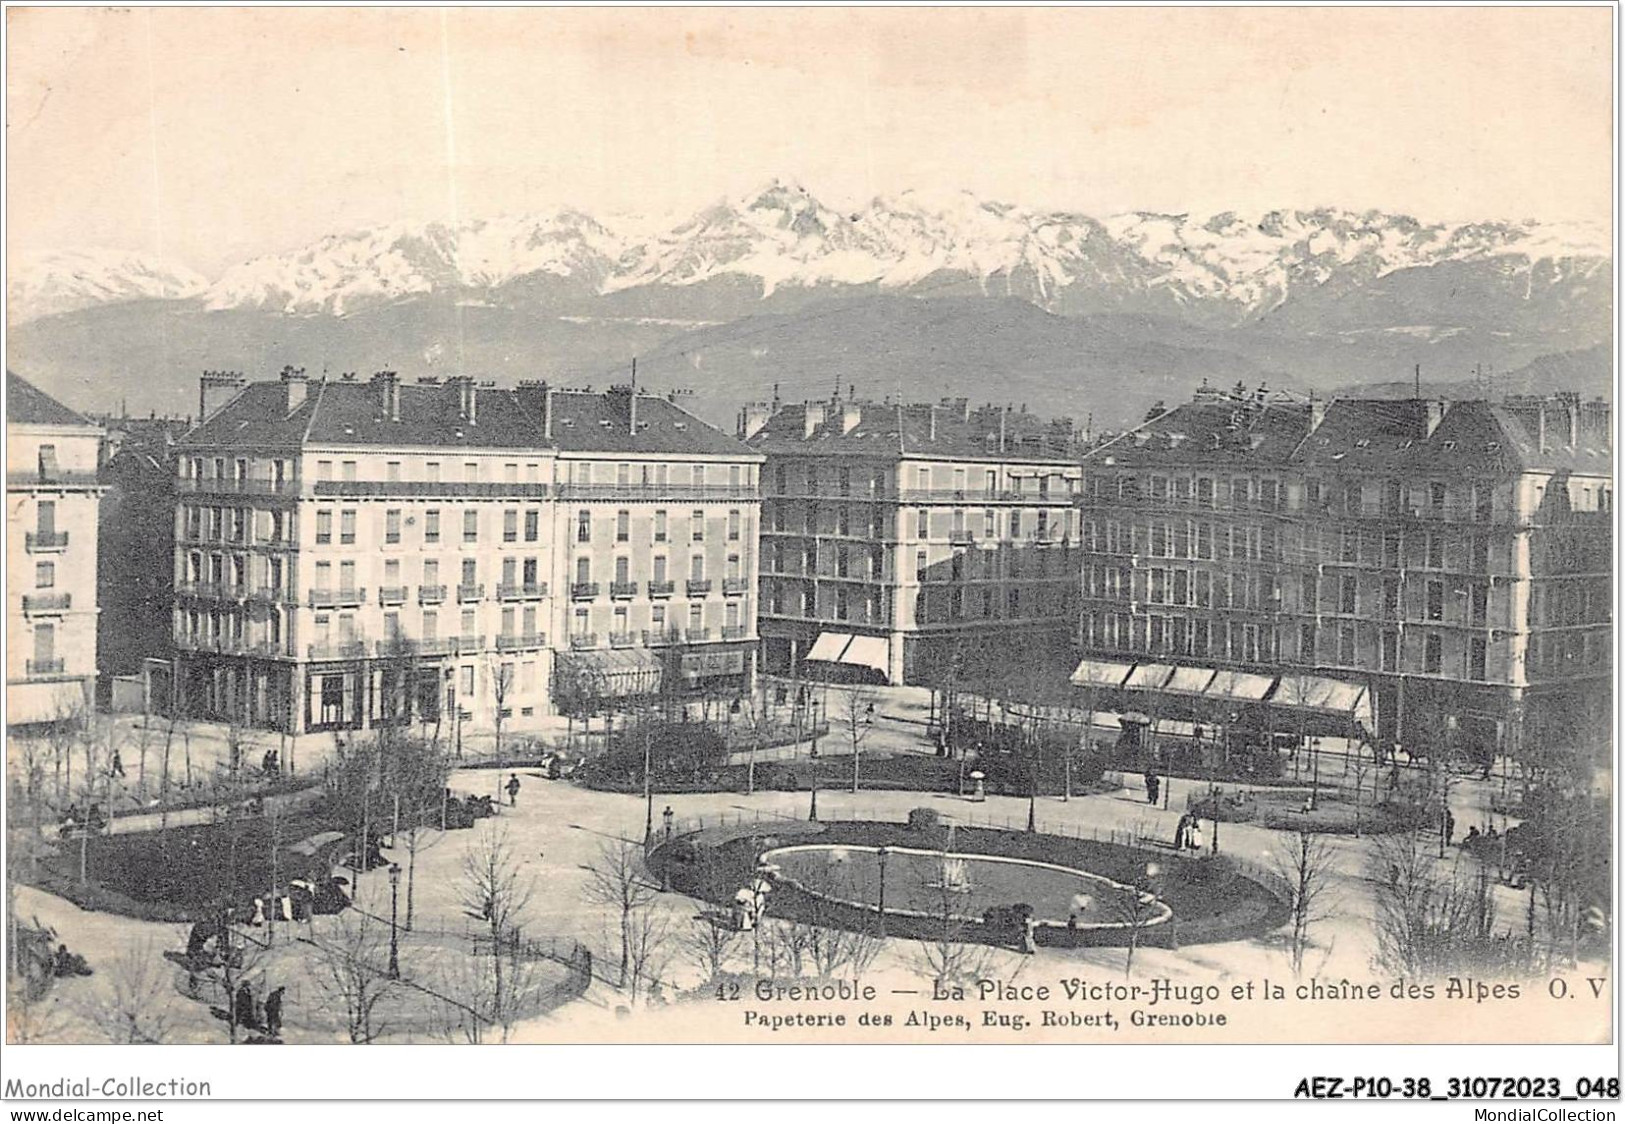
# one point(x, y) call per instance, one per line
point(243, 1009)
point(273, 1012)
point(1449, 828)
point(513, 789)
point(115, 768)
point(666, 819)
point(1153, 788)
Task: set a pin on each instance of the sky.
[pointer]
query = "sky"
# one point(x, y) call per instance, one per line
point(204, 136)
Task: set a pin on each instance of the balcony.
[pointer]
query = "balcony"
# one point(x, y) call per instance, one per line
point(431, 594)
point(699, 587)
point(54, 479)
point(623, 639)
point(668, 491)
point(226, 485)
point(623, 591)
point(438, 647)
point(35, 604)
point(337, 598)
point(734, 587)
point(338, 650)
point(467, 593)
point(521, 591)
point(470, 642)
point(46, 542)
point(433, 489)
point(272, 596)
point(583, 591)
point(508, 642)
point(661, 589)
point(44, 667)
point(584, 640)
point(660, 637)
point(696, 635)
point(961, 538)
point(391, 595)
point(735, 632)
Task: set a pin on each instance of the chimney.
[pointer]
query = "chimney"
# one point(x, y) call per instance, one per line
point(1317, 412)
point(389, 394)
point(812, 419)
point(1436, 410)
point(1003, 413)
point(467, 397)
point(632, 402)
point(931, 412)
point(215, 389)
point(1569, 402)
point(851, 414)
point(752, 419)
point(1596, 422)
point(622, 401)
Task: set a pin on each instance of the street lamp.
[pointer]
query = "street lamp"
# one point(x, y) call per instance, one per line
point(394, 932)
point(881, 853)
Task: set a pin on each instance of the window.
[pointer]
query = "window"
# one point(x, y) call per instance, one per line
point(696, 617)
point(696, 568)
point(510, 473)
point(697, 521)
point(1390, 650)
point(392, 471)
point(432, 471)
point(1345, 646)
point(431, 525)
point(583, 526)
point(431, 572)
point(1435, 552)
point(392, 525)
point(510, 522)
point(659, 568)
point(923, 524)
point(347, 526)
point(44, 575)
point(623, 526)
point(1435, 607)
point(470, 572)
point(471, 471)
point(1306, 643)
point(324, 526)
point(623, 570)
point(471, 525)
point(583, 570)
point(1436, 496)
point(919, 566)
point(468, 624)
point(533, 523)
point(580, 623)
point(1015, 524)
point(347, 470)
point(1477, 655)
point(347, 576)
point(734, 522)
point(1348, 596)
point(324, 470)
point(1433, 654)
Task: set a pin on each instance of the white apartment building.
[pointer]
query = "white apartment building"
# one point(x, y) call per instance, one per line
point(352, 553)
point(52, 498)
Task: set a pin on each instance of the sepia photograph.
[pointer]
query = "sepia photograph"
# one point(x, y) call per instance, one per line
point(815, 526)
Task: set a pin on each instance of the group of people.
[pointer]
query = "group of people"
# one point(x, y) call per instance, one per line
point(271, 764)
point(1188, 833)
point(93, 821)
point(461, 811)
point(265, 1017)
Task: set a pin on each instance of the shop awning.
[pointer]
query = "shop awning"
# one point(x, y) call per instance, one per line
point(1238, 685)
point(829, 646)
point(1333, 696)
point(1149, 677)
point(1175, 728)
point(1189, 680)
point(854, 651)
point(618, 673)
point(1101, 673)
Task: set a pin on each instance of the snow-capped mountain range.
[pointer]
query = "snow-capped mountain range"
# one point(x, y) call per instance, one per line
point(1229, 268)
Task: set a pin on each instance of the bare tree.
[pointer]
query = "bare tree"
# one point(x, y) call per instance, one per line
point(948, 956)
point(616, 880)
point(1305, 865)
point(354, 959)
point(495, 892)
point(502, 684)
point(710, 942)
point(648, 941)
point(1136, 907)
point(855, 715)
point(1433, 918)
point(136, 1008)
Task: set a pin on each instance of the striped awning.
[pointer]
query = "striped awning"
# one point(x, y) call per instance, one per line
point(1101, 673)
point(854, 651)
point(1238, 685)
point(1149, 677)
point(1189, 680)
